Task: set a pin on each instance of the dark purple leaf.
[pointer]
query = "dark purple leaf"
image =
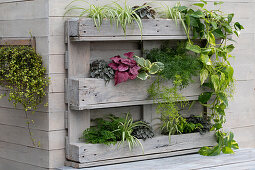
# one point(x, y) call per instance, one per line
point(132, 76)
point(129, 55)
point(116, 59)
point(114, 66)
point(123, 67)
point(120, 77)
point(134, 70)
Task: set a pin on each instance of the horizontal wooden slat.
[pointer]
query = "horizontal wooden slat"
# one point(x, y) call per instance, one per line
point(89, 93)
point(153, 29)
point(87, 153)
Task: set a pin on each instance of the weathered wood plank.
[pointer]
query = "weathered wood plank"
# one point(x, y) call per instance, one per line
point(85, 153)
point(131, 159)
point(87, 93)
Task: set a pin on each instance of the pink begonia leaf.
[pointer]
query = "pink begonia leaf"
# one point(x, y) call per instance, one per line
point(129, 55)
point(120, 77)
point(133, 63)
point(123, 67)
point(132, 76)
point(114, 66)
point(126, 61)
point(116, 59)
point(134, 70)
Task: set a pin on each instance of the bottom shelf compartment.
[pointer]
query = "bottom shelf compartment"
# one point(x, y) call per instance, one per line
point(87, 155)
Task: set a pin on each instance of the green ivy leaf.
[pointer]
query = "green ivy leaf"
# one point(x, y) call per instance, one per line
point(230, 48)
point(205, 97)
point(201, 5)
point(227, 150)
point(215, 81)
point(194, 48)
point(218, 33)
point(224, 98)
point(234, 144)
point(218, 3)
point(205, 151)
point(215, 151)
point(230, 18)
point(203, 75)
point(205, 59)
point(214, 25)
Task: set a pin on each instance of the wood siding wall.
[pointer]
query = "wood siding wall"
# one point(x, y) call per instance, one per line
point(44, 19)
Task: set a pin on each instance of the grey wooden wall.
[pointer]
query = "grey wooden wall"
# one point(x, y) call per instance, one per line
point(17, 19)
point(44, 19)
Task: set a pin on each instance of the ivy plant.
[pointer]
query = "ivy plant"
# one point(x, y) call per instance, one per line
point(217, 73)
point(23, 75)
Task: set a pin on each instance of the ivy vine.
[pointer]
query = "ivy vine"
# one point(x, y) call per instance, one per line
point(217, 73)
point(23, 76)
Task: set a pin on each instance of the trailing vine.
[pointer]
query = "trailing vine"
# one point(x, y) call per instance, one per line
point(23, 75)
point(217, 72)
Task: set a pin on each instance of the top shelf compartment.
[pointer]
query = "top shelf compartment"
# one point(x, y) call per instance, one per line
point(153, 29)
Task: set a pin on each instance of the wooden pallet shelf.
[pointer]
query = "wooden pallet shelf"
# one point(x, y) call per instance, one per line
point(90, 93)
point(84, 94)
point(90, 154)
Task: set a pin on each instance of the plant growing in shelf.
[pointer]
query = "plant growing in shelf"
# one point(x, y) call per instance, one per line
point(100, 69)
point(125, 68)
point(145, 11)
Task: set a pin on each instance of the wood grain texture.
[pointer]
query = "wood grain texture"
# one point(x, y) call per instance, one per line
point(87, 93)
point(85, 153)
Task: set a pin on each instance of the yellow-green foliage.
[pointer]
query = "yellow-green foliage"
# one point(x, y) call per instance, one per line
point(23, 74)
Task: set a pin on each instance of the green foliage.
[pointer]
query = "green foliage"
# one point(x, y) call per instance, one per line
point(23, 74)
point(178, 63)
point(100, 69)
point(126, 129)
point(114, 130)
point(212, 25)
point(145, 11)
point(148, 68)
point(166, 98)
point(226, 144)
point(143, 132)
point(114, 12)
point(104, 132)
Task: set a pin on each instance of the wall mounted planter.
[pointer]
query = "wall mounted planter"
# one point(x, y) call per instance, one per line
point(84, 94)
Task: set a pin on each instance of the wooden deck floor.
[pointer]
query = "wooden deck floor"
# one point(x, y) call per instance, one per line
point(243, 159)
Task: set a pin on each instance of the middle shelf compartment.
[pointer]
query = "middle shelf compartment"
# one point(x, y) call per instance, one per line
point(91, 93)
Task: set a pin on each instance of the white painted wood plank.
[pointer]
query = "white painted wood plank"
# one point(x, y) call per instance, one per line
point(22, 28)
point(36, 8)
point(6, 164)
point(48, 140)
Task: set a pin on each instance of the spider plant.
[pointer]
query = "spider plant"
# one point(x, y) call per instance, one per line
point(175, 13)
point(126, 129)
point(96, 12)
point(126, 15)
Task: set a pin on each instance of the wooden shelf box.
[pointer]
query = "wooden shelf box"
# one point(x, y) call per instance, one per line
point(84, 94)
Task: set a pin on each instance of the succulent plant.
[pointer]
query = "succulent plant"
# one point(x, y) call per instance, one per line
point(148, 68)
point(100, 69)
point(143, 132)
point(125, 68)
point(145, 11)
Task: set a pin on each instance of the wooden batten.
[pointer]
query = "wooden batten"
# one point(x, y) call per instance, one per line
point(18, 42)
